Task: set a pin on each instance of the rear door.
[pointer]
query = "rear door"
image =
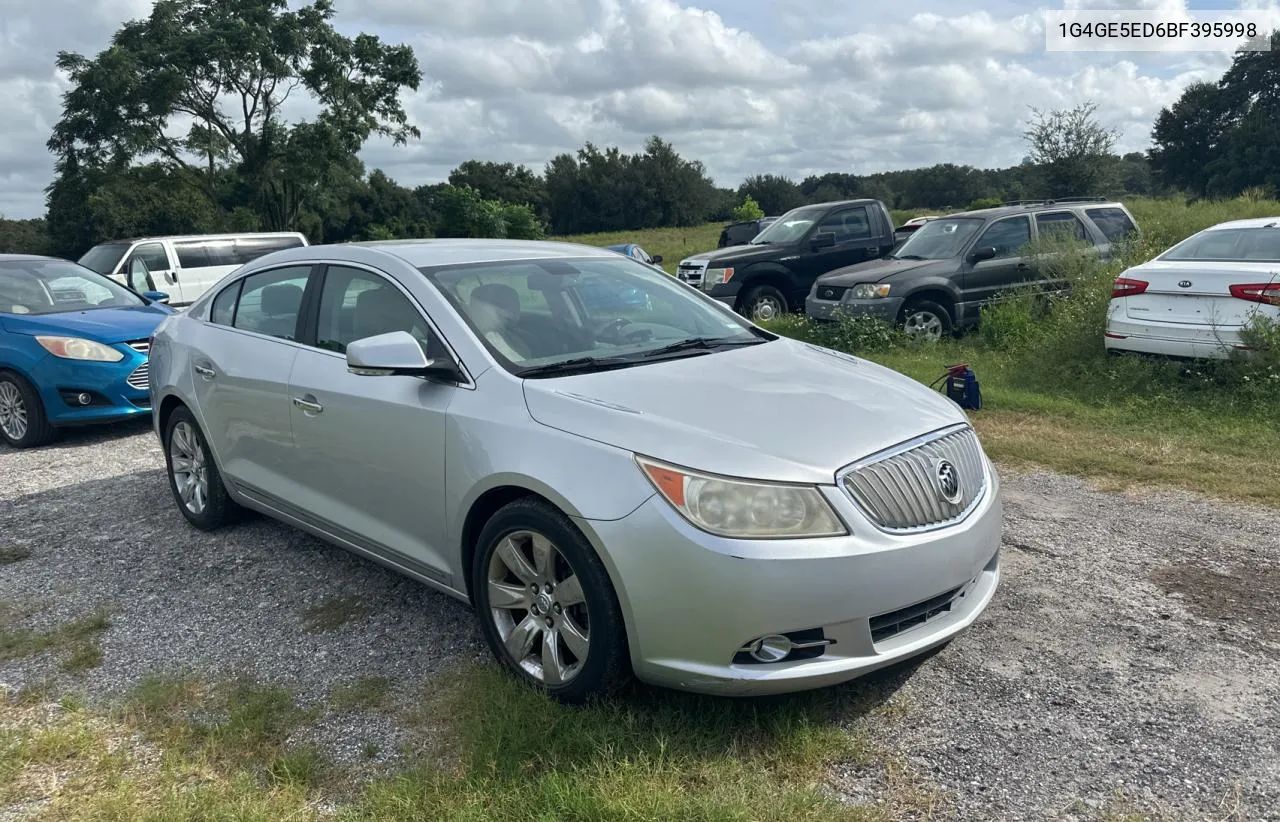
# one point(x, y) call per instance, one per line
point(201, 263)
point(241, 363)
point(370, 450)
point(1056, 226)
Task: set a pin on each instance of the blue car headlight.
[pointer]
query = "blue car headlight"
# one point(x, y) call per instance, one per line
point(75, 348)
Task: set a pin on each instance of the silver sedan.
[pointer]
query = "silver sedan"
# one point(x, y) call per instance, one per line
point(621, 475)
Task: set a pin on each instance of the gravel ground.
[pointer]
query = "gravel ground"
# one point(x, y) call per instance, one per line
point(1131, 659)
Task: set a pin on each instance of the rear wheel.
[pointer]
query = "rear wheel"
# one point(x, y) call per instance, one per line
point(193, 476)
point(763, 303)
point(23, 423)
point(547, 608)
point(925, 320)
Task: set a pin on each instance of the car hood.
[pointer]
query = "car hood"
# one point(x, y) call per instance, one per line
point(104, 325)
point(734, 254)
point(874, 271)
point(782, 410)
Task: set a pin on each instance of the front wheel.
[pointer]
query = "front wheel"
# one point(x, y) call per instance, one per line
point(925, 320)
point(23, 423)
point(547, 609)
point(763, 303)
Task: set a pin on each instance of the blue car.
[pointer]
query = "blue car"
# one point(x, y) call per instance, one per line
point(73, 348)
point(635, 252)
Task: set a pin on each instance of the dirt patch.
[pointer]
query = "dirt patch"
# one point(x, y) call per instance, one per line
point(1244, 595)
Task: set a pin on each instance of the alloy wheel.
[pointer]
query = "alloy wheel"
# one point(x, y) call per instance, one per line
point(537, 604)
point(13, 411)
point(923, 325)
point(190, 472)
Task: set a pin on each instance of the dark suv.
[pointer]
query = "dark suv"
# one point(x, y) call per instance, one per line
point(743, 231)
point(771, 275)
point(941, 276)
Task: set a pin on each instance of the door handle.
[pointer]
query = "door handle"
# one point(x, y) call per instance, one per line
point(308, 405)
point(170, 277)
point(204, 371)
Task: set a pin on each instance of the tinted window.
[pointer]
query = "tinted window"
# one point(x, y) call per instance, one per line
point(249, 249)
point(1113, 222)
point(356, 304)
point(153, 254)
point(1061, 223)
point(848, 225)
point(224, 305)
point(270, 302)
point(1008, 237)
point(103, 258)
point(205, 253)
point(53, 286)
point(1259, 245)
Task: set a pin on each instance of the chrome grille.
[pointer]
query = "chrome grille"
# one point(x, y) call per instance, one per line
point(140, 377)
point(900, 489)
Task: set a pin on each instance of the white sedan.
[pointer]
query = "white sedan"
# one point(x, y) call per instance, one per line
point(1194, 299)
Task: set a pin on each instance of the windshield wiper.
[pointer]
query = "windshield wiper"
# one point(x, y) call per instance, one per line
point(699, 344)
point(905, 257)
point(577, 365)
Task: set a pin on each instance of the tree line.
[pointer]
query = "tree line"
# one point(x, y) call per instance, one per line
point(179, 126)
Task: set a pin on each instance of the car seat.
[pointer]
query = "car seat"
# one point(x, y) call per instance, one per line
point(280, 307)
point(495, 308)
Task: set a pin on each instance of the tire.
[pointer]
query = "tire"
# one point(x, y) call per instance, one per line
point(925, 320)
point(587, 635)
point(23, 423)
point(762, 303)
point(185, 447)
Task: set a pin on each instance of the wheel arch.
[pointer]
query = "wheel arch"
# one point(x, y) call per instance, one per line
point(764, 274)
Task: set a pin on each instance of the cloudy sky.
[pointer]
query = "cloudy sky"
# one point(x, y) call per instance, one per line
point(746, 86)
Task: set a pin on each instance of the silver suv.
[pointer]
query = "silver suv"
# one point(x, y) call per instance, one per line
point(604, 479)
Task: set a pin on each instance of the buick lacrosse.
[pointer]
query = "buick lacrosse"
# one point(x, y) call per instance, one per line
point(621, 475)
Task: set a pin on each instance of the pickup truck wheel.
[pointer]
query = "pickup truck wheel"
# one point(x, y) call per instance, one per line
point(763, 303)
point(925, 320)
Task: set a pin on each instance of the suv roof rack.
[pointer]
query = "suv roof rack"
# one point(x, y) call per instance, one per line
point(1057, 201)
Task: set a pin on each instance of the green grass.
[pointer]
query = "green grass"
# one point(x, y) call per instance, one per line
point(672, 244)
point(370, 693)
point(76, 640)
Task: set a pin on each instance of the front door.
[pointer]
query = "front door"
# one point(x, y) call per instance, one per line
point(241, 376)
point(159, 268)
point(855, 242)
point(1010, 268)
point(371, 448)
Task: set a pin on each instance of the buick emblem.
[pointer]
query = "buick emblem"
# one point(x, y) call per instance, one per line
point(1184, 284)
point(948, 481)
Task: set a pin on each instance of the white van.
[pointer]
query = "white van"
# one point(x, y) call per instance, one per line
point(187, 266)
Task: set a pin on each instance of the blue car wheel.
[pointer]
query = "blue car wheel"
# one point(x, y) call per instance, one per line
point(23, 423)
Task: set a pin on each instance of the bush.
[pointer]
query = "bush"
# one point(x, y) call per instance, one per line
point(984, 202)
point(853, 335)
point(749, 210)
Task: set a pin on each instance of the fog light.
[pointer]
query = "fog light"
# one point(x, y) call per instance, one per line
point(84, 398)
point(772, 648)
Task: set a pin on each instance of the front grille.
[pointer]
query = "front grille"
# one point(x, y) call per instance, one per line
point(902, 490)
point(139, 379)
point(904, 619)
point(691, 272)
point(830, 292)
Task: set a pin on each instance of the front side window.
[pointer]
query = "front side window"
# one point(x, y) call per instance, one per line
point(153, 254)
point(1008, 237)
point(542, 317)
point(54, 286)
point(356, 304)
point(939, 239)
point(270, 302)
point(848, 225)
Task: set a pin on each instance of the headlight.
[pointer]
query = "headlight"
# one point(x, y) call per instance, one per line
point(74, 348)
point(743, 509)
point(870, 291)
point(716, 276)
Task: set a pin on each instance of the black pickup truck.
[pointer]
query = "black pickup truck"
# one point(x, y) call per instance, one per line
point(773, 273)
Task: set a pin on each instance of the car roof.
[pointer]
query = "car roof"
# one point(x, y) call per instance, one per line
point(17, 257)
point(1255, 222)
point(230, 235)
point(1034, 206)
point(421, 253)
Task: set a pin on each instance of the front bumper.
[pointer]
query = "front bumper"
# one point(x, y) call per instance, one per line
point(113, 398)
point(692, 600)
point(884, 308)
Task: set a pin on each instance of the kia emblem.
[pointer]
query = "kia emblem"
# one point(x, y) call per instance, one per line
point(1184, 284)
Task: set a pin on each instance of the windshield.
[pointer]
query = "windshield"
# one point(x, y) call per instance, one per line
point(548, 317)
point(56, 286)
point(1255, 245)
point(790, 227)
point(103, 258)
point(939, 239)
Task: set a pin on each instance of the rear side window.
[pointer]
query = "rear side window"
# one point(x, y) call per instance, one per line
point(223, 309)
point(1113, 222)
point(206, 253)
point(271, 301)
point(249, 249)
point(1061, 224)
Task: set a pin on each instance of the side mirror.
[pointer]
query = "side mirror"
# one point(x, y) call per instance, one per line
point(657, 259)
point(156, 296)
point(824, 240)
point(396, 354)
point(138, 276)
point(980, 254)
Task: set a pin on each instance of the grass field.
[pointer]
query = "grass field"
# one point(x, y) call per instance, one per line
point(1053, 399)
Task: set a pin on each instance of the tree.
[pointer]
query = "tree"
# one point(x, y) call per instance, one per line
point(24, 237)
point(1073, 149)
point(775, 194)
point(508, 182)
point(749, 210)
point(1188, 136)
point(200, 86)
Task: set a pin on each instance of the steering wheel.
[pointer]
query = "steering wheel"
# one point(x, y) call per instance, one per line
point(611, 332)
